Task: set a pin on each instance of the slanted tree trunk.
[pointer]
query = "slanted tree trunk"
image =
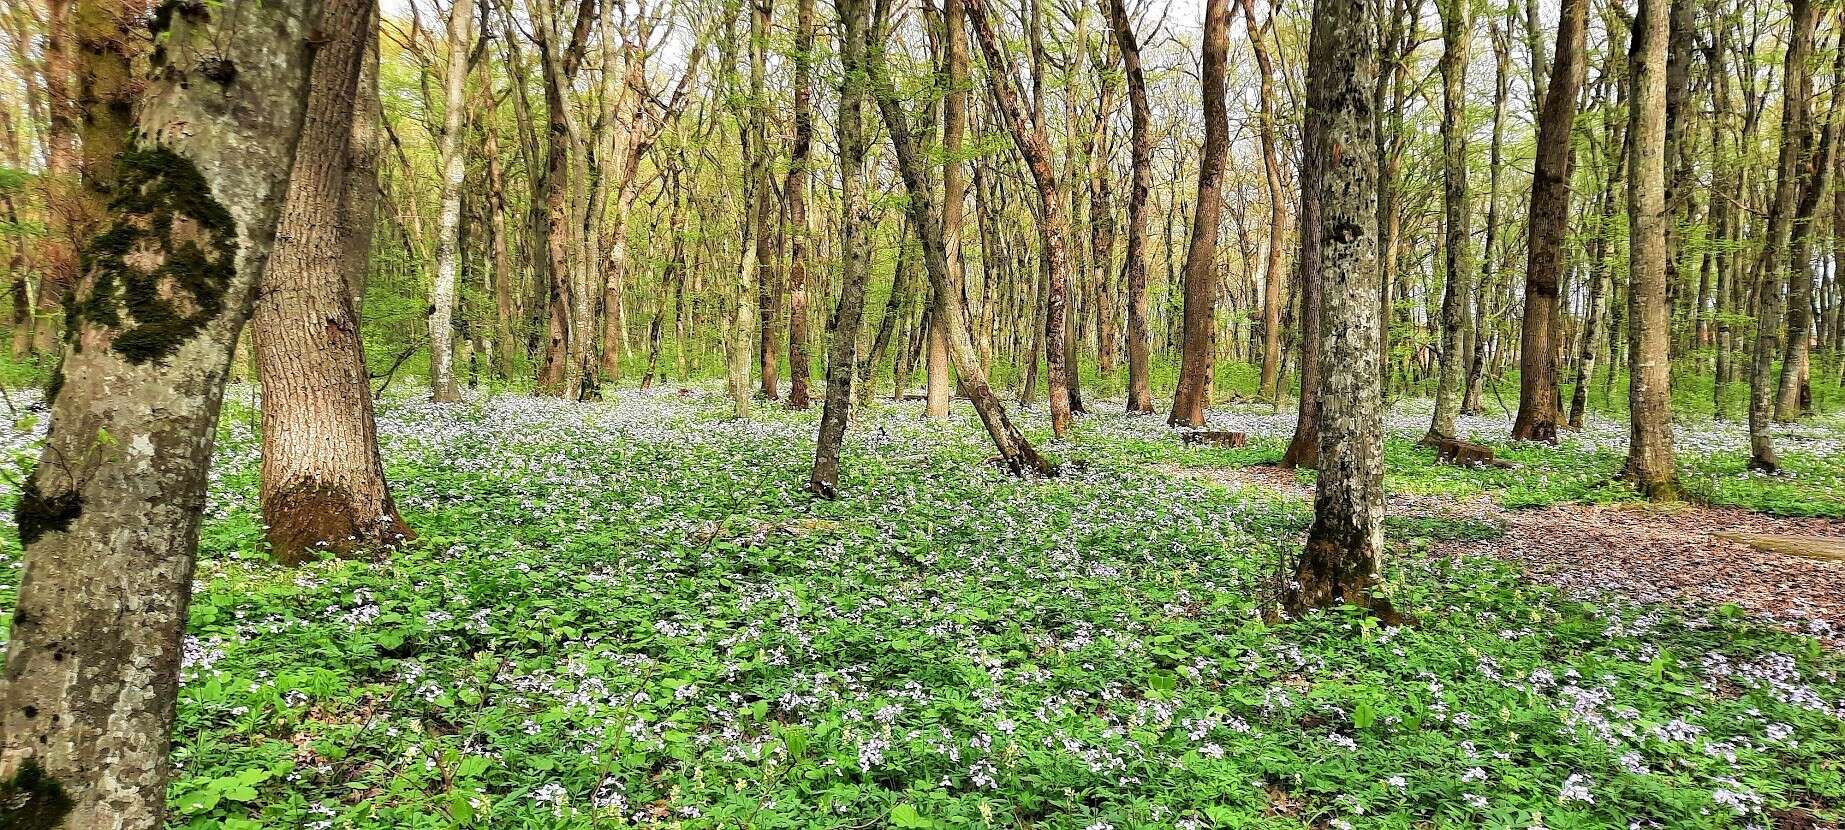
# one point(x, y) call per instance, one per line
point(1457, 250)
point(1198, 350)
point(1342, 560)
point(442, 290)
point(110, 516)
point(1548, 226)
point(854, 255)
point(794, 195)
point(1134, 262)
point(323, 485)
point(1650, 464)
point(1028, 133)
point(1016, 454)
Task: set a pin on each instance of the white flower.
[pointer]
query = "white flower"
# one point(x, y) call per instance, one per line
point(1576, 788)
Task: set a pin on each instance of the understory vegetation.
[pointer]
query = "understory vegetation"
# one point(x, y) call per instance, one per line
point(630, 613)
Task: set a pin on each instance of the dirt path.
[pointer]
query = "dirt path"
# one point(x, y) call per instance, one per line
point(1790, 572)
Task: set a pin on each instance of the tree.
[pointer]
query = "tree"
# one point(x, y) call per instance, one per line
point(794, 198)
point(1269, 385)
point(1134, 263)
point(1650, 464)
point(1028, 134)
point(1196, 358)
point(1457, 248)
point(110, 516)
point(1016, 454)
point(1342, 559)
point(448, 225)
point(1549, 224)
point(842, 353)
point(1772, 268)
point(323, 485)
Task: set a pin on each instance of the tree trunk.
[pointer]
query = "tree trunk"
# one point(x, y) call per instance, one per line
point(1028, 133)
point(442, 290)
point(1457, 248)
point(794, 195)
point(954, 198)
point(1195, 361)
point(1015, 453)
point(1471, 403)
point(1304, 448)
point(1548, 226)
point(92, 668)
point(1794, 396)
point(1278, 218)
point(1342, 560)
point(1134, 262)
point(1772, 268)
point(1650, 464)
point(323, 485)
point(854, 252)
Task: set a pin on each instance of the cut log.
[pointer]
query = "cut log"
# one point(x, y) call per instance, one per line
point(1822, 548)
point(1214, 438)
point(1463, 453)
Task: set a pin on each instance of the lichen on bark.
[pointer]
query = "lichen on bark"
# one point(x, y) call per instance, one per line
point(159, 272)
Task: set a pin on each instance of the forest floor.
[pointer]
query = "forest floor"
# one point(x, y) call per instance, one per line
point(631, 614)
point(1787, 571)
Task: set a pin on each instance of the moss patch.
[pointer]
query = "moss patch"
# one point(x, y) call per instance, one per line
point(38, 514)
point(158, 274)
point(32, 799)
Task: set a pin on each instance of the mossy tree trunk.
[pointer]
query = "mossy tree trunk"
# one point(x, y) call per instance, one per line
point(110, 516)
point(1341, 562)
point(854, 251)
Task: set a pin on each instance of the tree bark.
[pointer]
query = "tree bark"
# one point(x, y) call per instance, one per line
point(1134, 262)
point(323, 486)
point(1548, 226)
point(1342, 560)
point(1197, 352)
point(842, 353)
point(1457, 247)
point(1650, 464)
point(110, 517)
